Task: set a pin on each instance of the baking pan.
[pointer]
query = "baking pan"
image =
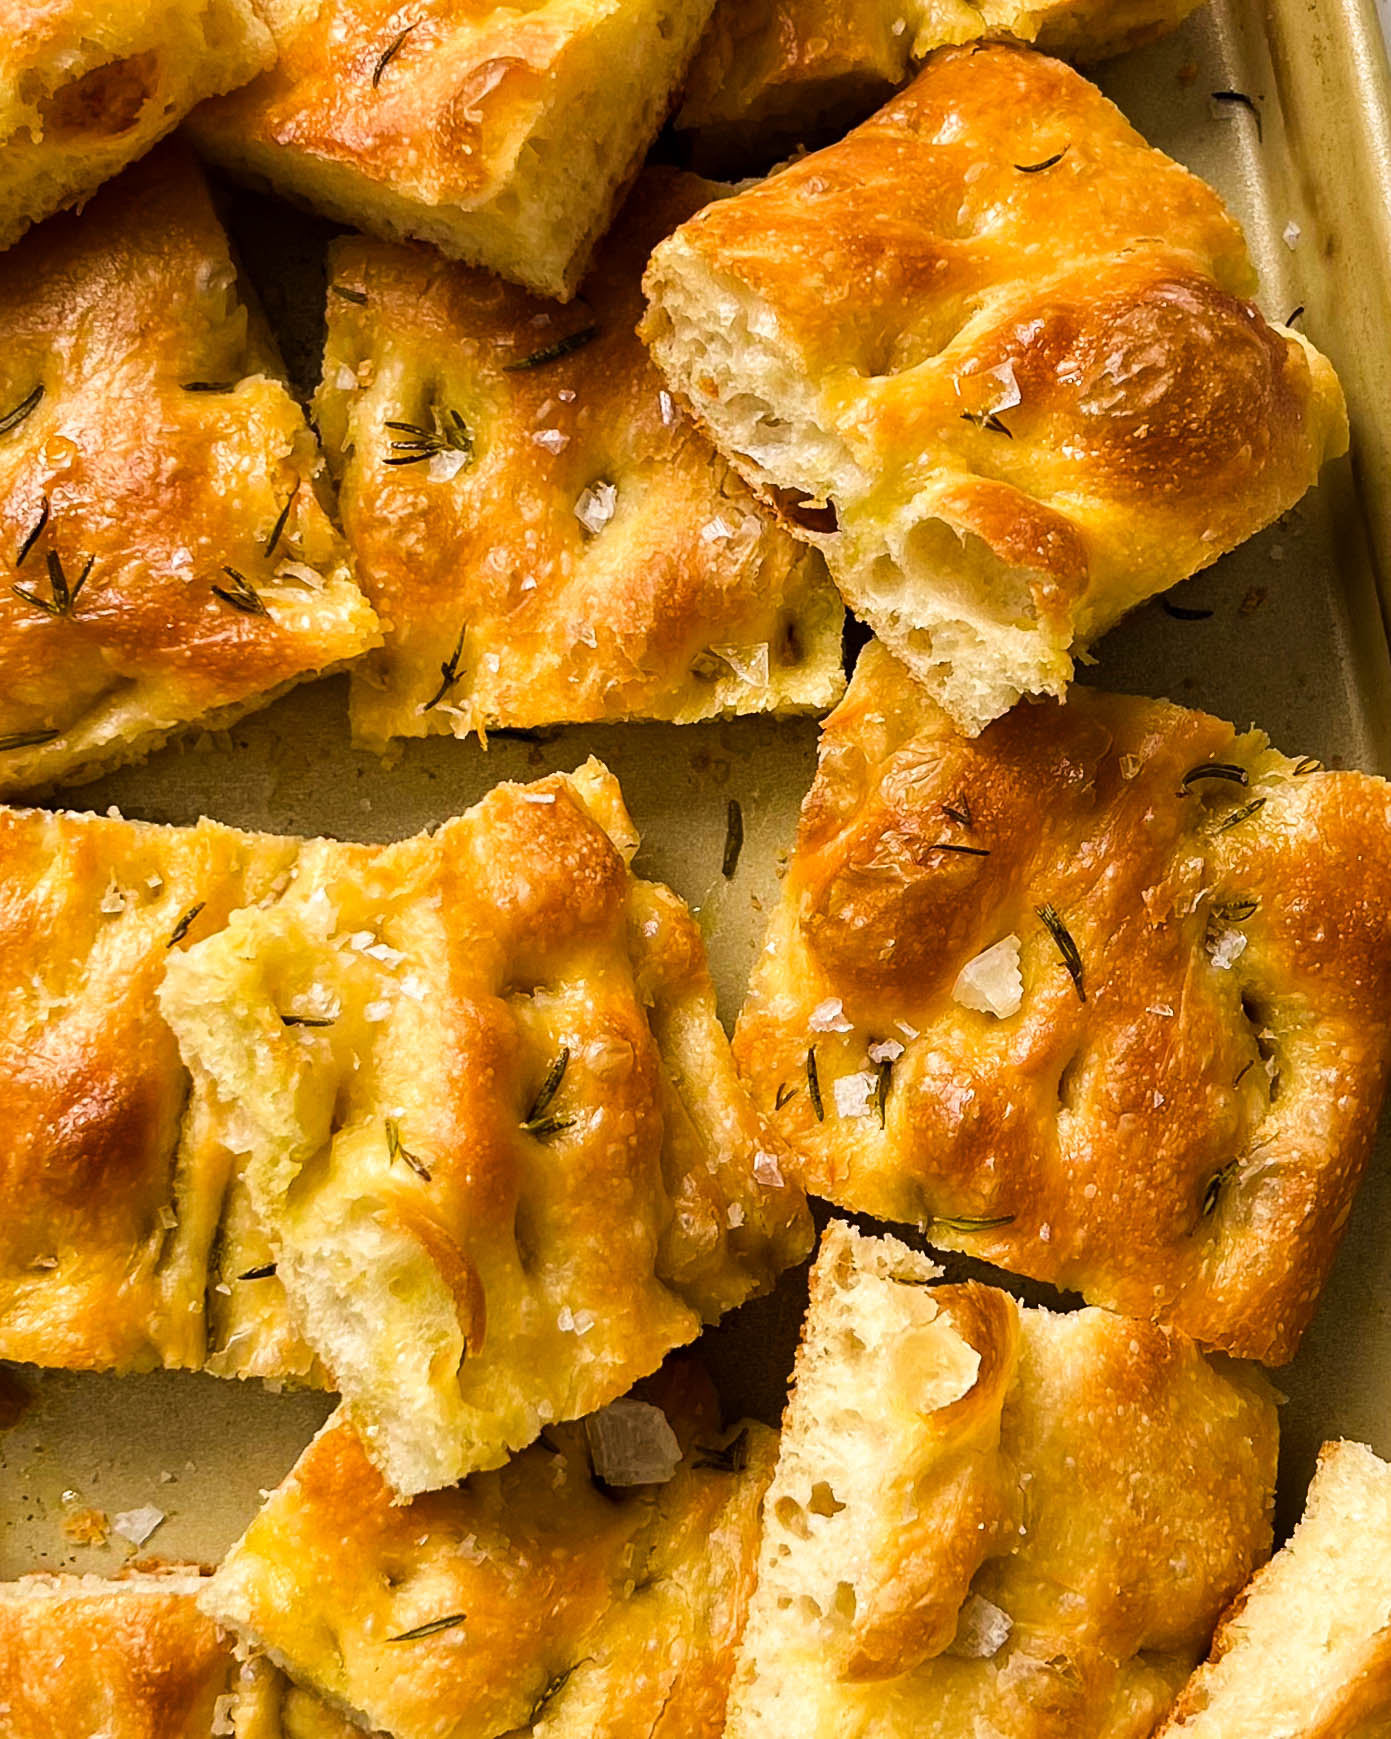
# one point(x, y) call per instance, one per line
point(1296, 642)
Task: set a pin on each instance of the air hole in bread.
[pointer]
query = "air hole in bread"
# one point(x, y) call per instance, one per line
point(105, 102)
point(789, 1515)
point(1067, 1083)
point(799, 509)
point(823, 1501)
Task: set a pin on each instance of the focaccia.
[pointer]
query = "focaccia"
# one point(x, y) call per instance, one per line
point(164, 557)
point(992, 1519)
point(994, 355)
point(505, 1162)
point(1101, 996)
point(504, 135)
point(83, 1657)
point(539, 1598)
point(772, 74)
point(124, 1227)
point(549, 538)
point(87, 87)
point(1305, 1651)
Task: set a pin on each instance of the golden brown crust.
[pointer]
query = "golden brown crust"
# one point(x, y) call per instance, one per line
point(86, 88)
point(1184, 1143)
point(1010, 345)
point(1081, 1495)
point(772, 73)
point(563, 618)
point(516, 1167)
point(614, 1613)
point(119, 457)
point(505, 136)
point(116, 1230)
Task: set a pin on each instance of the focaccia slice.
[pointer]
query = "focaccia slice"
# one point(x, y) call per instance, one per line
point(992, 1519)
point(123, 1224)
point(536, 1598)
point(772, 74)
point(994, 355)
point(164, 557)
point(84, 1657)
point(550, 539)
point(87, 87)
point(1305, 1651)
point(1101, 996)
point(504, 135)
point(508, 1166)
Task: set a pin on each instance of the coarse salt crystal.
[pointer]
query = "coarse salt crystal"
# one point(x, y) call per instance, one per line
point(854, 1094)
point(668, 408)
point(734, 1215)
point(1291, 234)
point(596, 507)
point(384, 952)
point(137, 1525)
point(113, 900)
point(1226, 948)
point(717, 530)
point(377, 1011)
point(829, 1017)
point(992, 982)
point(886, 1051)
point(553, 440)
point(538, 796)
point(749, 663)
point(631, 1443)
point(446, 466)
point(346, 379)
point(767, 1171)
point(982, 1629)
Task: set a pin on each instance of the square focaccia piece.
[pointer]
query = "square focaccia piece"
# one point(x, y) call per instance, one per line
point(502, 1153)
point(505, 136)
point(994, 355)
point(86, 88)
point(124, 1225)
point(1305, 1650)
point(549, 538)
point(132, 1657)
point(772, 74)
point(594, 1588)
point(1101, 996)
point(165, 559)
point(992, 1519)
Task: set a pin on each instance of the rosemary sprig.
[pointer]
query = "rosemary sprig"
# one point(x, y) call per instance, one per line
point(1307, 764)
point(1294, 314)
point(397, 1149)
point(432, 1627)
point(553, 1689)
point(1214, 770)
point(1237, 816)
point(209, 386)
point(733, 1458)
point(65, 592)
point(27, 739)
point(1235, 911)
point(540, 1121)
point(349, 295)
point(959, 811)
point(449, 672)
point(733, 838)
point(553, 352)
point(241, 594)
point(1215, 1185)
point(449, 434)
point(32, 537)
point(1047, 163)
point(814, 1086)
point(986, 420)
point(962, 850)
point(264, 1272)
point(390, 54)
point(1072, 959)
point(786, 1090)
point(1182, 612)
point(1245, 102)
point(881, 1090)
point(304, 1020)
point(185, 924)
point(278, 529)
point(963, 1223)
point(25, 408)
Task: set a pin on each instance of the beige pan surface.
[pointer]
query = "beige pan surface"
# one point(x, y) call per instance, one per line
point(1296, 642)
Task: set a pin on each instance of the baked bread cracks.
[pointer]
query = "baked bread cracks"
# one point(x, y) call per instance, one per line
point(83, 1657)
point(538, 1596)
point(549, 538)
point(503, 1155)
point(775, 73)
point(1305, 1650)
point(505, 136)
point(87, 87)
point(987, 1518)
point(994, 355)
point(125, 1229)
point(164, 557)
point(1100, 996)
